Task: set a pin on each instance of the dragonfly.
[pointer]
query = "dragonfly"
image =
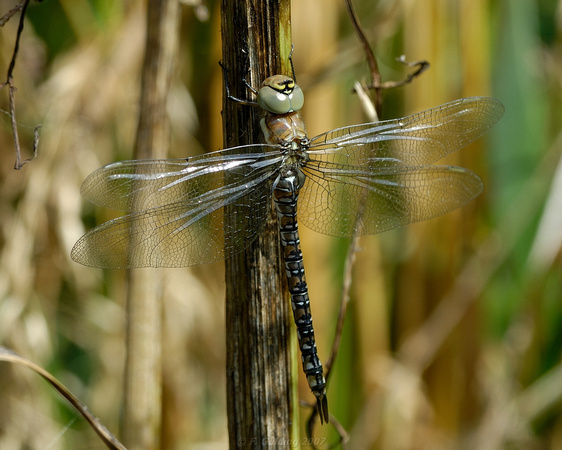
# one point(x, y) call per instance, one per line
point(351, 181)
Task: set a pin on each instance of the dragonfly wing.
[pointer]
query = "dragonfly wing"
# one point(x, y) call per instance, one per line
point(416, 140)
point(177, 218)
point(138, 185)
point(344, 201)
point(370, 178)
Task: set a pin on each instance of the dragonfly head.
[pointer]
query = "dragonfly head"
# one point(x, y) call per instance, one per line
point(280, 94)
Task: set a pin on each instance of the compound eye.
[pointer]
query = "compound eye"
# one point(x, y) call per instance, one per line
point(273, 101)
point(280, 95)
point(297, 98)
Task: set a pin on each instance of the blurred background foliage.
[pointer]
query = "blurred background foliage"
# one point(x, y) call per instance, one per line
point(454, 334)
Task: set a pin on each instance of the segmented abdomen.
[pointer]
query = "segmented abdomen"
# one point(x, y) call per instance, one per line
point(285, 194)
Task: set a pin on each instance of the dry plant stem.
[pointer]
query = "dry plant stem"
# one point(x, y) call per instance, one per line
point(373, 112)
point(376, 78)
point(371, 60)
point(344, 435)
point(105, 435)
point(12, 11)
point(369, 108)
point(344, 302)
point(142, 411)
point(421, 66)
point(335, 423)
point(12, 89)
point(12, 94)
point(261, 408)
point(350, 256)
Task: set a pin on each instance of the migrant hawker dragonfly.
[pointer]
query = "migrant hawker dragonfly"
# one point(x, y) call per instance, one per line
point(356, 180)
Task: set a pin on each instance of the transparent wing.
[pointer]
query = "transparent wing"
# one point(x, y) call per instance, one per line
point(416, 140)
point(143, 184)
point(374, 177)
point(343, 201)
point(177, 208)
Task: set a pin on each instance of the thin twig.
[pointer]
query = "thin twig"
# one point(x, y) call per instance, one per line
point(371, 60)
point(350, 257)
point(345, 297)
point(373, 110)
point(6, 17)
point(8, 355)
point(422, 65)
point(347, 280)
point(22, 6)
point(376, 77)
point(351, 250)
point(342, 432)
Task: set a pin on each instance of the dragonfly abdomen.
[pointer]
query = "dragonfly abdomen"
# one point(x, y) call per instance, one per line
point(285, 194)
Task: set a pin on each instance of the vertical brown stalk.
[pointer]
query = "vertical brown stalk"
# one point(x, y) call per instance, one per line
point(142, 409)
point(256, 44)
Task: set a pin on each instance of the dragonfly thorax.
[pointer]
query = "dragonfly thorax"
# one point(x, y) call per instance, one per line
point(284, 129)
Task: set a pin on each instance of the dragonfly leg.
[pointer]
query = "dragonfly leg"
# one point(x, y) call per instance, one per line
point(227, 89)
